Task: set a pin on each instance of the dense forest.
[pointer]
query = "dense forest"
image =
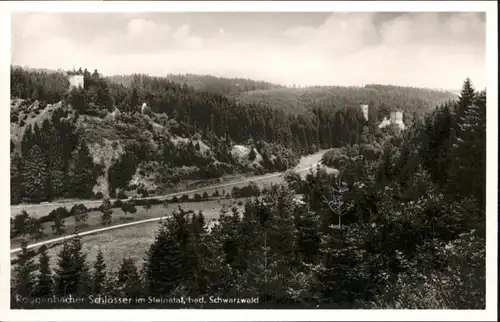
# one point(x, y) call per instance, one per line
point(207, 83)
point(328, 123)
point(401, 226)
point(413, 102)
point(218, 120)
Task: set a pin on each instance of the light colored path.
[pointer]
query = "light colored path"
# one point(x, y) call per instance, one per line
point(305, 164)
point(100, 230)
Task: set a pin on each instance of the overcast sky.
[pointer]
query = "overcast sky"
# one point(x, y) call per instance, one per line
point(418, 49)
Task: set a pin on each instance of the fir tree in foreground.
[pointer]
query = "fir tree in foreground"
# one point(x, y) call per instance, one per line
point(72, 274)
point(65, 274)
point(24, 273)
point(128, 279)
point(99, 277)
point(45, 282)
point(163, 266)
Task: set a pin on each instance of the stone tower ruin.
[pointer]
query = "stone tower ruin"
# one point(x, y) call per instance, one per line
point(364, 109)
point(75, 81)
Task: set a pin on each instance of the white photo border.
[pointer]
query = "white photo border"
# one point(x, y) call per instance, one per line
point(490, 7)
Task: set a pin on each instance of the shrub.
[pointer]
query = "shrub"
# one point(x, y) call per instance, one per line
point(121, 195)
point(128, 207)
point(251, 190)
point(118, 204)
point(61, 212)
point(154, 201)
point(78, 209)
point(143, 192)
point(20, 224)
point(102, 113)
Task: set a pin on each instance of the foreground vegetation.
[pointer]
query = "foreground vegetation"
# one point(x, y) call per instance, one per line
point(403, 228)
point(63, 221)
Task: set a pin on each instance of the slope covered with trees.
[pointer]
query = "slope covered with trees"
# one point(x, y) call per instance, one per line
point(414, 102)
point(207, 83)
point(392, 230)
point(189, 134)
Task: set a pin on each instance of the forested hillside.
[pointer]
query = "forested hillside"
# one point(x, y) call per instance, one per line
point(185, 134)
point(207, 83)
point(414, 102)
point(402, 226)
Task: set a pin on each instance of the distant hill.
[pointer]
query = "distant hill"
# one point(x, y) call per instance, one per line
point(414, 101)
point(203, 128)
point(207, 83)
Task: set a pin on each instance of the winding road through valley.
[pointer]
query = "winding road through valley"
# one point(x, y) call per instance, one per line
point(305, 164)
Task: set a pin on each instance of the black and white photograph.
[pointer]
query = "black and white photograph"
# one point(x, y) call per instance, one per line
point(249, 160)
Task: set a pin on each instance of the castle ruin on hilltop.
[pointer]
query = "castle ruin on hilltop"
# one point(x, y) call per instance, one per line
point(75, 81)
point(364, 109)
point(396, 118)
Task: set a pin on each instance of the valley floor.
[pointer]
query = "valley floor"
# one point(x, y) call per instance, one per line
point(131, 241)
point(306, 162)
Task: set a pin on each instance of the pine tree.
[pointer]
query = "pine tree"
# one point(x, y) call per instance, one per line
point(56, 172)
point(77, 98)
point(195, 280)
point(334, 269)
point(147, 205)
point(21, 224)
point(24, 278)
point(81, 217)
point(35, 175)
point(128, 279)
point(72, 274)
point(16, 179)
point(134, 98)
point(308, 237)
point(226, 233)
point(263, 277)
point(45, 281)
point(468, 170)
point(58, 226)
point(99, 277)
point(27, 141)
point(106, 212)
point(82, 172)
point(281, 224)
point(84, 277)
point(163, 263)
point(466, 98)
point(65, 274)
point(35, 229)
